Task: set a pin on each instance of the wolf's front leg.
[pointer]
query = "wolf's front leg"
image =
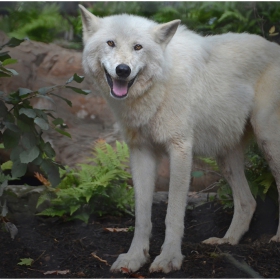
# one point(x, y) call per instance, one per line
point(180, 167)
point(143, 166)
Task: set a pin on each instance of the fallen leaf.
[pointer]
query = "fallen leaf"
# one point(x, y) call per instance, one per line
point(131, 275)
point(136, 275)
point(116, 229)
point(26, 261)
point(274, 34)
point(81, 274)
point(98, 258)
point(56, 272)
point(272, 30)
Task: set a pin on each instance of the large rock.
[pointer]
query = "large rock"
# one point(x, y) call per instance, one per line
point(21, 201)
point(89, 118)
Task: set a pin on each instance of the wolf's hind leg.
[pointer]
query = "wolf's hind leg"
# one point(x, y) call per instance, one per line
point(266, 125)
point(232, 167)
point(272, 155)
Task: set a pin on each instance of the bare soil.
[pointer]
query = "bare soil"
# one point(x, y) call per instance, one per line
point(74, 247)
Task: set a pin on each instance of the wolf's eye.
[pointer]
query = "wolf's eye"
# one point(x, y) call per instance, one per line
point(138, 47)
point(111, 43)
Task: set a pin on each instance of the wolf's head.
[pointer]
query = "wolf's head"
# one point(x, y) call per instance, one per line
point(124, 53)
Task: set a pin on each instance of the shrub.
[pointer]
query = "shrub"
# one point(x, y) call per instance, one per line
point(258, 174)
point(97, 187)
point(22, 126)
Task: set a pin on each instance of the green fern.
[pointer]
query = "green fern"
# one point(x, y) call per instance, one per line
point(53, 212)
point(98, 187)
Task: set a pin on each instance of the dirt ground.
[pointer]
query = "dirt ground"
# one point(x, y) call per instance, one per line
point(87, 251)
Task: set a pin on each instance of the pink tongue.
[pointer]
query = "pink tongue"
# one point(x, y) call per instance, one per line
point(120, 87)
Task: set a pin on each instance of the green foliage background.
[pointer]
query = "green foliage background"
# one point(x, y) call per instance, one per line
point(48, 22)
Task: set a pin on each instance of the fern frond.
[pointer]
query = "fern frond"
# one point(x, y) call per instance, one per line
point(101, 187)
point(52, 212)
point(46, 196)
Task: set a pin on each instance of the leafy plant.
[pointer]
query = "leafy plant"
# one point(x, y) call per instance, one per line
point(37, 21)
point(98, 187)
point(22, 126)
point(258, 174)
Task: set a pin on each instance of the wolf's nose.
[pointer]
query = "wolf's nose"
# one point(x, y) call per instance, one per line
point(123, 70)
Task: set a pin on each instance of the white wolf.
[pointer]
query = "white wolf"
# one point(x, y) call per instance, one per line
point(173, 91)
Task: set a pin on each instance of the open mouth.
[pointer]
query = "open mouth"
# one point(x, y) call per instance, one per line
point(119, 88)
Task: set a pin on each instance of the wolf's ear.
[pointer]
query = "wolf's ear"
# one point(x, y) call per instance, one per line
point(90, 23)
point(164, 32)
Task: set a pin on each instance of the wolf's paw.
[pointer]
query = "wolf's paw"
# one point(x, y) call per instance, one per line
point(167, 262)
point(275, 238)
point(131, 261)
point(217, 241)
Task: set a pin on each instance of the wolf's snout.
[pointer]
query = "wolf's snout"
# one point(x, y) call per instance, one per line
point(123, 70)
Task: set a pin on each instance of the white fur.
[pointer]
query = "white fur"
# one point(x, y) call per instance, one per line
point(192, 95)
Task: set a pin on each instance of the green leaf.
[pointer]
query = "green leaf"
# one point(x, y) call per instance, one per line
point(24, 125)
point(28, 140)
point(58, 121)
point(9, 61)
point(66, 100)
point(12, 126)
point(14, 156)
point(4, 72)
point(197, 174)
point(70, 80)
point(24, 91)
point(45, 196)
point(78, 78)
point(45, 90)
point(74, 208)
point(49, 150)
point(78, 90)
point(18, 169)
point(52, 212)
point(7, 165)
point(75, 78)
point(41, 123)
point(38, 161)
point(4, 56)
point(10, 138)
point(82, 216)
point(28, 112)
point(29, 155)
point(12, 71)
point(45, 97)
point(26, 261)
point(42, 114)
point(3, 109)
point(52, 171)
point(14, 42)
point(63, 132)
